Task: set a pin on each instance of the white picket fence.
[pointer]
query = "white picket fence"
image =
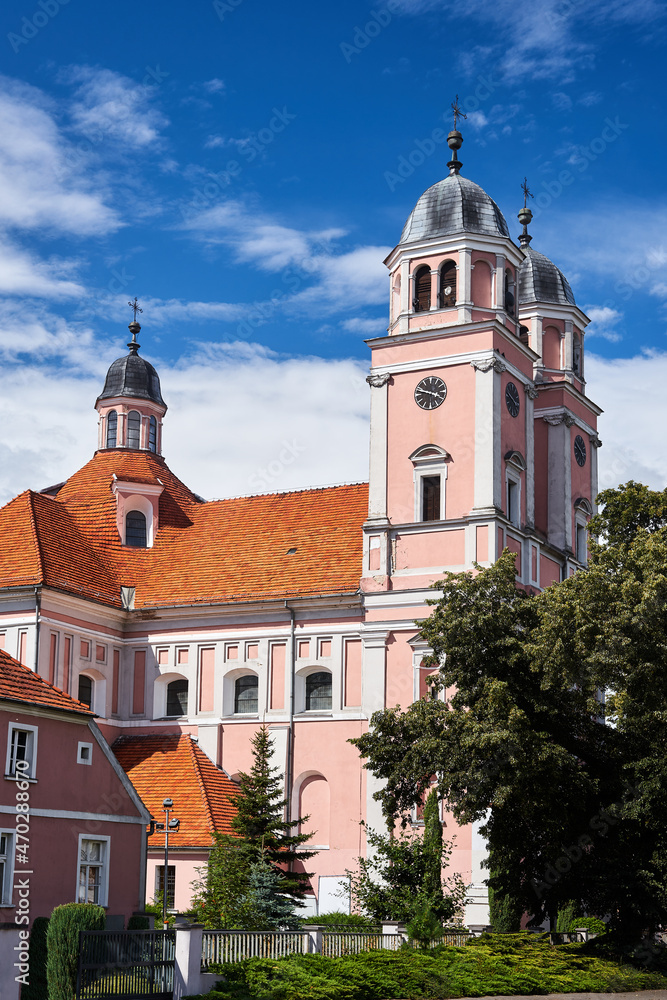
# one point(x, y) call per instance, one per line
point(234, 946)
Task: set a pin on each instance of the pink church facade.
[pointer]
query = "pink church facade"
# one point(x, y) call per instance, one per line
point(299, 609)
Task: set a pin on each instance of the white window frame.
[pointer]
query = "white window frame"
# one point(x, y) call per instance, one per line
point(83, 758)
point(583, 510)
point(28, 773)
point(7, 881)
point(429, 460)
point(104, 881)
point(515, 465)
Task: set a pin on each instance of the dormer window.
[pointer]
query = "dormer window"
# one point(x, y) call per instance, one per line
point(135, 529)
point(422, 299)
point(152, 434)
point(133, 429)
point(112, 428)
point(447, 285)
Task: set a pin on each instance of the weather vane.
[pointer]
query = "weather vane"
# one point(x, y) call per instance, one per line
point(527, 193)
point(135, 306)
point(456, 108)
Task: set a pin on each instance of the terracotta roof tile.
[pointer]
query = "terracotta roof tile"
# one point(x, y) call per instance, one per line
point(162, 766)
point(19, 683)
point(219, 551)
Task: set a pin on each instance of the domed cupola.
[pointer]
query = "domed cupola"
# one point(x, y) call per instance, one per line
point(541, 281)
point(130, 405)
point(454, 205)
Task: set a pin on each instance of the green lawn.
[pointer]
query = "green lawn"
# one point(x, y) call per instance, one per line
point(507, 965)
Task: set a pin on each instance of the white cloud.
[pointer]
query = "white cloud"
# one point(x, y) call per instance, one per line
point(21, 273)
point(307, 426)
point(367, 327)
point(604, 321)
point(214, 86)
point(561, 101)
point(111, 106)
point(41, 183)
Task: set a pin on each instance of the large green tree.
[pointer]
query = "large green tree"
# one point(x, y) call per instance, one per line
point(571, 791)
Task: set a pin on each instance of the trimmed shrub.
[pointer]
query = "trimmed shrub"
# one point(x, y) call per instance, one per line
point(594, 924)
point(37, 988)
point(341, 919)
point(62, 941)
point(565, 916)
point(138, 923)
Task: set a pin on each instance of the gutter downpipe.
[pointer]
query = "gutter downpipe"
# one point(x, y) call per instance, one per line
point(38, 610)
point(290, 734)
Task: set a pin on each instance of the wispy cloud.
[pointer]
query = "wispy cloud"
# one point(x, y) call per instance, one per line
point(22, 273)
point(114, 105)
point(604, 322)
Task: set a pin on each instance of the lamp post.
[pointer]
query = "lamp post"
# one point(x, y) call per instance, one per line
point(169, 824)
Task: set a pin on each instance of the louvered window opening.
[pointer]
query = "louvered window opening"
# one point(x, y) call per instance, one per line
point(85, 690)
point(112, 428)
point(448, 286)
point(135, 529)
point(422, 300)
point(152, 434)
point(133, 429)
point(431, 498)
point(177, 698)
point(509, 293)
point(246, 700)
point(318, 692)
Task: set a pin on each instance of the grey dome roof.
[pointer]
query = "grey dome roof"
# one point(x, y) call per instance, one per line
point(132, 376)
point(454, 205)
point(541, 281)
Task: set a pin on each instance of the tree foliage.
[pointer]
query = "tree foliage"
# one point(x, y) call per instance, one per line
point(571, 807)
point(256, 876)
point(62, 943)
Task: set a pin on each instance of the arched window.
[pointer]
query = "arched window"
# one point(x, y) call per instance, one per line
point(152, 434)
point(447, 285)
point(133, 429)
point(576, 355)
point(318, 691)
point(85, 690)
point(177, 698)
point(422, 299)
point(135, 529)
point(509, 292)
point(112, 428)
point(246, 695)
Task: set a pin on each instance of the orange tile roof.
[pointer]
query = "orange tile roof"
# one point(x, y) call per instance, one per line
point(19, 683)
point(223, 550)
point(173, 766)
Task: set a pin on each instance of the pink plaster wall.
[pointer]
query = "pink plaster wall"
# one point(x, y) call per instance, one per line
point(434, 548)
point(185, 864)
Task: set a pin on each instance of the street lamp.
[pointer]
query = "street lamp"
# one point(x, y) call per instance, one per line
point(169, 824)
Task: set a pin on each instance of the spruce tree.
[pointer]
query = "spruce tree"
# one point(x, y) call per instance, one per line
point(260, 820)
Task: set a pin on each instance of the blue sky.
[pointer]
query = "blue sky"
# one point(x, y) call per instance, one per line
point(243, 168)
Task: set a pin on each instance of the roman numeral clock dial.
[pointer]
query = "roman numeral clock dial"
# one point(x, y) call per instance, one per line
point(430, 392)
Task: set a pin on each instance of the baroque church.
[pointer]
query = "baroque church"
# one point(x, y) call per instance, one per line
point(177, 618)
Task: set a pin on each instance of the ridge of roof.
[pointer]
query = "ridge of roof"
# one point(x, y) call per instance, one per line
point(281, 493)
point(20, 683)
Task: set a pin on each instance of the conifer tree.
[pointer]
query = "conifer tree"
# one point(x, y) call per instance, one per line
point(260, 820)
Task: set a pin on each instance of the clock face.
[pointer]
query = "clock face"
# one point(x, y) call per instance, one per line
point(430, 392)
point(580, 450)
point(512, 399)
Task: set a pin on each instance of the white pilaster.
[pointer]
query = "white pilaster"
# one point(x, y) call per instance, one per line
point(595, 444)
point(559, 502)
point(488, 459)
point(531, 395)
point(373, 681)
point(464, 287)
point(377, 488)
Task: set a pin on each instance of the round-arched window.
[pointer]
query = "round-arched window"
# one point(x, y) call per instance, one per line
point(85, 690)
point(318, 691)
point(135, 529)
point(112, 428)
point(246, 700)
point(152, 434)
point(422, 299)
point(133, 429)
point(447, 285)
point(177, 698)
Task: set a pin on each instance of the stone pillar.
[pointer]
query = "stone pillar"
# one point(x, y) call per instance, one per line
point(187, 967)
point(595, 444)
point(531, 396)
point(464, 286)
point(373, 675)
point(500, 283)
point(487, 457)
point(377, 489)
point(559, 498)
point(434, 289)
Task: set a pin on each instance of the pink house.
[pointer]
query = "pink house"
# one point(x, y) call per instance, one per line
point(171, 615)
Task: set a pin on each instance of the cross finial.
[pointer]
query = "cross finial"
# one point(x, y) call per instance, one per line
point(527, 193)
point(456, 109)
point(135, 307)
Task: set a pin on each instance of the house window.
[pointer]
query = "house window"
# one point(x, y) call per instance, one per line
point(6, 873)
point(152, 434)
point(318, 692)
point(112, 428)
point(509, 292)
point(171, 884)
point(85, 753)
point(21, 751)
point(177, 698)
point(422, 299)
point(431, 495)
point(576, 355)
point(135, 529)
point(133, 429)
point(447, 285)
point(93, 871)
point(582, 543)
point(246, 695)
point(85, 690)
point(513, 501)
